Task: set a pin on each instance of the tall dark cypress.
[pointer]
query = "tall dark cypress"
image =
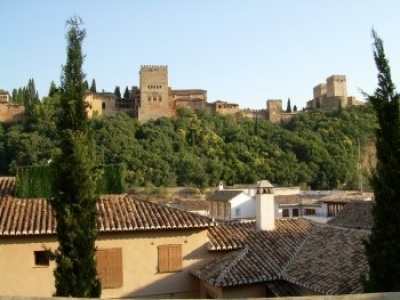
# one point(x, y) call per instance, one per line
point(73, 185)
point(383, 246)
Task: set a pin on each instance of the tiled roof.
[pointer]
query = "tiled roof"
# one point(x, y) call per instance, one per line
point(346, 197)
point(224, 195)
point(189, 205)
point(356, 214)
point(325, 259)
point(7, 186)
point(331, 261)
point(295, 199)
point(262, 255)
point(115, 213)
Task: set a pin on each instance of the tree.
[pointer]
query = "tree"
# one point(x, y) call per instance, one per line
point(126, 93)
point(295, 108)
point(93, 86)
point(289, 107)
point(86, 85)
point(117, 92)
point(53, 89)
point(31, 100)
point(73, 184)
point(383, 245)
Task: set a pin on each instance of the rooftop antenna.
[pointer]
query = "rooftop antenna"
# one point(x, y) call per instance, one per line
point(359, 167)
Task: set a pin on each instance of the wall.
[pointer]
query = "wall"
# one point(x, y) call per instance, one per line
point(139, 258)
point(274, 110)
point(11, 112)
point(19, 275)
point(95, 105)
point(154, 96)
point(246, 204)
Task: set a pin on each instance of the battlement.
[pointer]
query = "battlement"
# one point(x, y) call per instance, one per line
point(152, 67)
point(274, 101)
point(336, 78)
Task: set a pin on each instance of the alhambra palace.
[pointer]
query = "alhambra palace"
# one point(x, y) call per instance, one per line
point(154, 98)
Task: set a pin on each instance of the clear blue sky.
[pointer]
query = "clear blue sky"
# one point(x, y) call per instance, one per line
point(243, 52)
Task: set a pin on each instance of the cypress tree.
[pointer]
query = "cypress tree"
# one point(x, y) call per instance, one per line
point(93, 86)
point(289, 107)
point(383, 245)
point(73, 184)
point(117, 92)
point(126, 93)
point(53, 89)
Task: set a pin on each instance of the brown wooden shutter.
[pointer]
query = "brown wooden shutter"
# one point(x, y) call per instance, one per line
point(109, 267)
point(169, 258)
point(175, 258)
point(163, 257)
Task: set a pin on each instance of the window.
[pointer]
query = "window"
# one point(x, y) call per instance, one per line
point(334, 208)
point(295, 212)
point(104, 106)
point(237, 212)
point(42, 258)
point(109, 267)
point(285, 213)
point(169, 258)
point(309, 212)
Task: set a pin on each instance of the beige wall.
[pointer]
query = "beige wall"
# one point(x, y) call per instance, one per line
point(244, 291)
point(95, 105)
point(19, 275)
point(139, 258)
point(11, 112)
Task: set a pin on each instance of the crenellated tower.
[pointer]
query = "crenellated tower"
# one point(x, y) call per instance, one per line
point(154, 100)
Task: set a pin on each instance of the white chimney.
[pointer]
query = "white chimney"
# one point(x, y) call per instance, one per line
point(221, 186)
point(265, 206)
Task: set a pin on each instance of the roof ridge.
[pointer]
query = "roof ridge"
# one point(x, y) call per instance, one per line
point(295, 254)
point(239, 255)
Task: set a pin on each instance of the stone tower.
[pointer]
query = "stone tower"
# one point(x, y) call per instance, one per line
point(336, 88)
point(274, 110)
point(154, 100)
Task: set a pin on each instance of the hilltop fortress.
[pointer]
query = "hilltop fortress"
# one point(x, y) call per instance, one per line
point(154, 98)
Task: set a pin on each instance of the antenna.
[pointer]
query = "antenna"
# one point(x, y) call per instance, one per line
point(359, 167)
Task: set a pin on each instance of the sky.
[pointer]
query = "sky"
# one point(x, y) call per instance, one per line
point(242, 52)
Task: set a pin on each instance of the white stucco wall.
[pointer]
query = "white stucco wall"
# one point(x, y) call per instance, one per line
point(246, 204)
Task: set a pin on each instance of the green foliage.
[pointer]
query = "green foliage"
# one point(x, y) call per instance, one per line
point(126, 93)
point(73, 184)
point(383, 246)
point(93, 86)
point(111, 180)
point(117, 92)
point(289, 106)
point(53, 90)
point(34, 182)
point(318, 150)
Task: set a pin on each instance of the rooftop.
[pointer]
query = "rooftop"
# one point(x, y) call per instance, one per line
point(116, 213)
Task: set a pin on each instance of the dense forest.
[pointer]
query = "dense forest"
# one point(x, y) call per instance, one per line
point(318, 150)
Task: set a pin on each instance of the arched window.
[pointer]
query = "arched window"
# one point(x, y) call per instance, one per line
point(104, 106)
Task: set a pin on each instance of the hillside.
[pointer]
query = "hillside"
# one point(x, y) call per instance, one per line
point(317, 150)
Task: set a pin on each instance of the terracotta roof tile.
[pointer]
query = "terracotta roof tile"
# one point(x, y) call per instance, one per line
point(325, 259)
point(115, 213)
point(7, 186)
point(295, 199)
point(262, 255)
point(347, 197)
point(331, 261)
point(356, 214)
point(224, 195)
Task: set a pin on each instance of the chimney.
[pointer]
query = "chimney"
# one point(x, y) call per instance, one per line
point(265, 206)
point(221, 186)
